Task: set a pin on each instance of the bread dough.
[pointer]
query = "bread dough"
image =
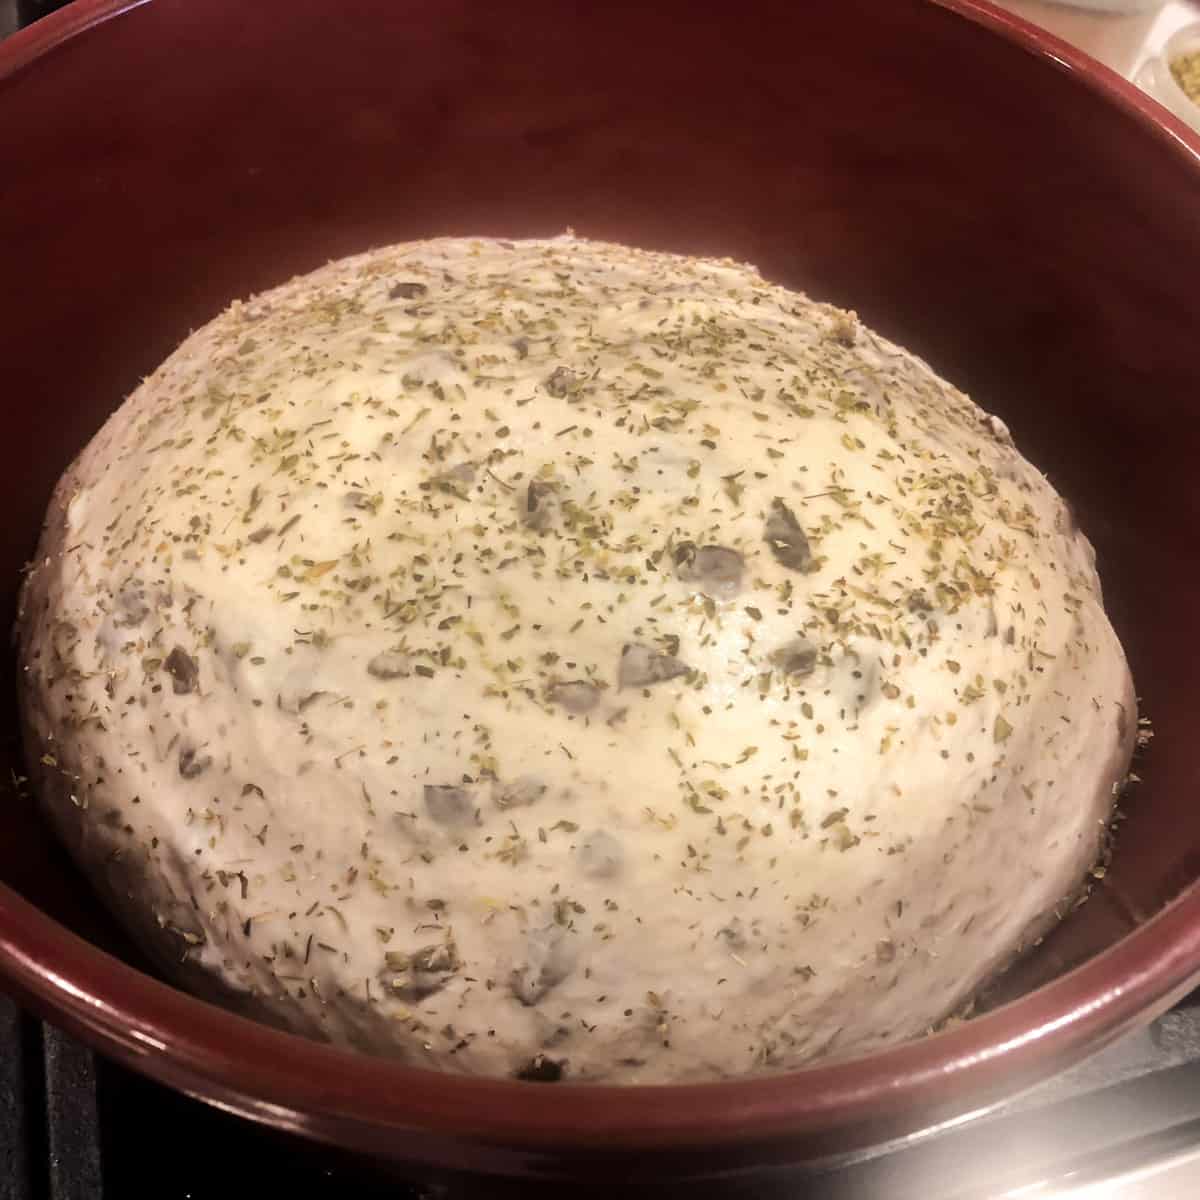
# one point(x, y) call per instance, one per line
point(559, 659)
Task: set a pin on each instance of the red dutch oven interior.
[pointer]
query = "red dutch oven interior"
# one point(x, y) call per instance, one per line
point(984, 195)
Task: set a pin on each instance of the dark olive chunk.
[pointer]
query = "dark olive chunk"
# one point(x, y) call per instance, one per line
point(183, 669)
point(407, 290)
point(389, 664)
point(918, 602)
point(642, 666)
point(356, 500)
point(539, 505)
point(548, 961)
point(577, 696)
point(784, 535)
point(541, 1069)
point(601, 856)
point(420, 974)
point(797, 657)
point(562, 382)
point(449, 804)
point(192, 763)
point(733, 933)
point(131, 605)
point(456, 481)
point(714, 569)
point(517, 793)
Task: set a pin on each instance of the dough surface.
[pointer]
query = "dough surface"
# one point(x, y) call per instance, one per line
point(557, 658)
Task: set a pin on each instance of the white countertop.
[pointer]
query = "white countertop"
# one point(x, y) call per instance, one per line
point(1123, 43)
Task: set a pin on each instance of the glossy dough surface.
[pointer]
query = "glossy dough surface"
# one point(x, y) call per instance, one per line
point(495, 654)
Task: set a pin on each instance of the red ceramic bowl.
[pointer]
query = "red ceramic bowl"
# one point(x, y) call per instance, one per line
point(986, 196)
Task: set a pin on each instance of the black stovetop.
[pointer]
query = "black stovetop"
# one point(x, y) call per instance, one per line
point(74, 1126)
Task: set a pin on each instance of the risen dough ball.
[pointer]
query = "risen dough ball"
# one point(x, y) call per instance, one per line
point(561, 658)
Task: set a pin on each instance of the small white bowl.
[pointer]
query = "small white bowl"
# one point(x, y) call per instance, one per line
point(1155, 75)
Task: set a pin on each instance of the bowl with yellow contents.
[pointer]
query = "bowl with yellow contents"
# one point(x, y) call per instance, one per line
point(1173, 77)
